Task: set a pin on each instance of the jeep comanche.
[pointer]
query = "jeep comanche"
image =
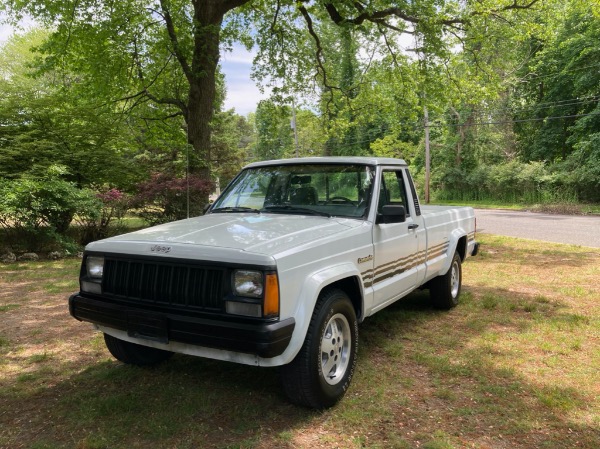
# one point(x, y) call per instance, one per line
point(280, 271)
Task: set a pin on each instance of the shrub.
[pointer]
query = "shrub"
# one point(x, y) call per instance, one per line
point(36, 214)
point(164, 197)
point(95, 224)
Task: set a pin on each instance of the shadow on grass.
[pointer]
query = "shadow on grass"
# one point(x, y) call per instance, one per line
point(420, 382)
point(425, 379)
point(440, 378)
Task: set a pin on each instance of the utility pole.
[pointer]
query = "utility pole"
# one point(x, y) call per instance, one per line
point(421, 55)
point(427, 156)
point(294, 126)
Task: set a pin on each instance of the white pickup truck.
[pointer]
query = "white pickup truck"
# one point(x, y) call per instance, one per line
point(278, 272)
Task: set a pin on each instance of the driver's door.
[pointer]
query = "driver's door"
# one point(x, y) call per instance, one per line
point(399, 247)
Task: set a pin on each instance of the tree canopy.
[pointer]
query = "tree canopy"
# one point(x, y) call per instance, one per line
point(138, 83)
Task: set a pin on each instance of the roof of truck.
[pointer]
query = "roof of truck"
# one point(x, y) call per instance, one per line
point(332, 160)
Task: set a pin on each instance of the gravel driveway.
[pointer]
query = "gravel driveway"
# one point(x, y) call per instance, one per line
point(572, 229)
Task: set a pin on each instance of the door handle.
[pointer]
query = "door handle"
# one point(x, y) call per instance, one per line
point(412, 226)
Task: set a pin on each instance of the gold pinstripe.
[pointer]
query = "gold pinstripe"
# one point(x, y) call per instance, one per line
point(395, 267)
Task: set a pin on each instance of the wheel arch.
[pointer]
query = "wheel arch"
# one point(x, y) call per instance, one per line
point(344, 277)
point(461, 247)
point(457, 244)
point(350, 285)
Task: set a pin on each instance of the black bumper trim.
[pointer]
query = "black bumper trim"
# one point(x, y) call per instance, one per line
point(263, 339)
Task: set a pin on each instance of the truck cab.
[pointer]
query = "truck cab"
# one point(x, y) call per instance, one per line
point(280, 271)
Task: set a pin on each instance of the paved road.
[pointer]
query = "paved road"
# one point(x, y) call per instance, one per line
point(576, 230)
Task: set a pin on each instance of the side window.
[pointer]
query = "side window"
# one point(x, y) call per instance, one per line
point(393, 191)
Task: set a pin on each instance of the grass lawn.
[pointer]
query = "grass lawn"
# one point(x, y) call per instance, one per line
point(515, 365)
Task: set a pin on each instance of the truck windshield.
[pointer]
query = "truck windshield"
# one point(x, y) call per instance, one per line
point(341, 190)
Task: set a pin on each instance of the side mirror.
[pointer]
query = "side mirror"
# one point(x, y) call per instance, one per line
point(392, 213)
point(206, 207)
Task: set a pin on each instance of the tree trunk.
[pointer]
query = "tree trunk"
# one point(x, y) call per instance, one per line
point(201, 75)
point(202, 79)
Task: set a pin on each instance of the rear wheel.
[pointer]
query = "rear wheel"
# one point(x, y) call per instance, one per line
point(134, 354)
point(445, 289)
point(321, 372)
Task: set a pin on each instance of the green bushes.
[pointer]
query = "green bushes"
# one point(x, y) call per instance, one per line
point(112, 205)
point(50, 213)
point(36, 214)
point(512, 182)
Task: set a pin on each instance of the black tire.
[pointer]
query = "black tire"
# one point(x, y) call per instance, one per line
point(134, 354)
point(445, 289)
point(319, 378)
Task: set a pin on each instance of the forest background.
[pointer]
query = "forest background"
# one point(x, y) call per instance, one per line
point(110, 108)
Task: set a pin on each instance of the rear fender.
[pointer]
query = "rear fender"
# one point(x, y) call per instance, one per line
point(457, 242)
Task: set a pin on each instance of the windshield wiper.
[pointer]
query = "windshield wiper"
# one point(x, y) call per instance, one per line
point(236, 209)
point(295, 209)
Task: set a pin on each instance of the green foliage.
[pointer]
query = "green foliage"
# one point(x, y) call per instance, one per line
point(233, 137)
point(562, 91)
point(275, 137)
point(511, 182)
point(98, 223)
point(38, 212)
point(275, 134)
point(512, 92)
point(392, 146)
point(46, 120)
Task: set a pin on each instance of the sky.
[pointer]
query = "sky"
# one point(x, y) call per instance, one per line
point(242, 93)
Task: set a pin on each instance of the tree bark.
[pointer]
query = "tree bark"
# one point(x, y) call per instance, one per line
point(201, 75)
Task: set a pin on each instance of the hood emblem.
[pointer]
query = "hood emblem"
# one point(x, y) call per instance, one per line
point(160, 249)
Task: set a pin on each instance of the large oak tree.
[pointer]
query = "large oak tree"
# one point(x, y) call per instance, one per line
point(166, 52)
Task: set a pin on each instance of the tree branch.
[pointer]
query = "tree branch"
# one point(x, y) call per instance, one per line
point(275, 17)
point(515, 5)
point(162, 119)
point(379, 16)
point(185, 66)
point(172, 101)
point(319, 54)
point(390, 50)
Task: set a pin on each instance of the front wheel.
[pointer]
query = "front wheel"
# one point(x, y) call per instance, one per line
point(321, 372)
point(134, 354)
point(445, 289)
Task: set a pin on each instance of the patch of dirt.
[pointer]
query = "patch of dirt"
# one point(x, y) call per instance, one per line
point(42, 344)
point(394, 402)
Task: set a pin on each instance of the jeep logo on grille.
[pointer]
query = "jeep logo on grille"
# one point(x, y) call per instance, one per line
point(160, 249)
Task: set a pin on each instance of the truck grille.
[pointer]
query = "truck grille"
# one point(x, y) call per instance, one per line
point(164, 283)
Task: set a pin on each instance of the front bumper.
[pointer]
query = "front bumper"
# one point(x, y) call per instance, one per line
point(266, 340)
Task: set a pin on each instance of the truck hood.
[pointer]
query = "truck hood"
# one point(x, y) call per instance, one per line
point(267, 234)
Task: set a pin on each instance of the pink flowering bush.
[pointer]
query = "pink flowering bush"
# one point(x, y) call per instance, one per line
point(113, 205)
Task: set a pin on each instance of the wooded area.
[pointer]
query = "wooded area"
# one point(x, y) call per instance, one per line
point(115, 106)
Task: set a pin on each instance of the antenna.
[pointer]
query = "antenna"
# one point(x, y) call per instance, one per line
point(187, 178)
point(294, 125)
